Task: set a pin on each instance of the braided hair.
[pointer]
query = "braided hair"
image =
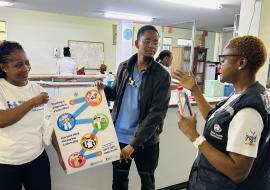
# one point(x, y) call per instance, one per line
point(7, 48)
point(163, 54)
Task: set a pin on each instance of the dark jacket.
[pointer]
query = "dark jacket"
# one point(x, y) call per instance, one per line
point(154, 98)
point(203, 174)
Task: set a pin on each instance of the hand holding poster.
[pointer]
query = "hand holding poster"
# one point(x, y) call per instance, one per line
point(84, 129)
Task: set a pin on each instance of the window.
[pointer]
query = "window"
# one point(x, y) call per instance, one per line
point(167, 43)
point(183, 42)
point(2, 30)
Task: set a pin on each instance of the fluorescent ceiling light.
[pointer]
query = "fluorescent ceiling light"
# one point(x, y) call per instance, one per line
point(210, 4)
point(125, 16)
point(5, 4)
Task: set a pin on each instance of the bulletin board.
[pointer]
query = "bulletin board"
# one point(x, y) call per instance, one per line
point(86, 53)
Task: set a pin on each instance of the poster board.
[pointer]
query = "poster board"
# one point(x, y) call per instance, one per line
point(86, 53)
point(84, 129)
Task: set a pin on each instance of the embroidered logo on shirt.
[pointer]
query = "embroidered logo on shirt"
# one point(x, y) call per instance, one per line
point(250, 138)
point(217, 128)
point(215, 133)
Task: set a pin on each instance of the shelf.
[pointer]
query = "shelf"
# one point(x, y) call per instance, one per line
point(199, 64)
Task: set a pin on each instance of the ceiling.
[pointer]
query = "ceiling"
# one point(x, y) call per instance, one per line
point(164, 13)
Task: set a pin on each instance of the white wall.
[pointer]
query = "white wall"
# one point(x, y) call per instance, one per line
point(40, 32)
point(226, 36)
point(249, 17)
point(264, 32)
point(210, 41)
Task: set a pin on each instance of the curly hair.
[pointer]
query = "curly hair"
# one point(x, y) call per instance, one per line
point(252, 48)
point(7, 48)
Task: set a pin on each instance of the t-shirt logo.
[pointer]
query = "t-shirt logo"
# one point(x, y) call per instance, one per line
point(250, 138)
point(14, 104)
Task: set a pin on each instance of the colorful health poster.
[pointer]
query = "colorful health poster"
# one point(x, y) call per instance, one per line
point(84, 129)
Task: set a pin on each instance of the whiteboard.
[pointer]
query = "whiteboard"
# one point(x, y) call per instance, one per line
point(86, 53)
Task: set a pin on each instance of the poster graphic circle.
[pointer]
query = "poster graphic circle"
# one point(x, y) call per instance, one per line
point(89, 141)
point(76, 160)
point(93, 97)
point(66, 122)
point(100, 122)
point(127, 34)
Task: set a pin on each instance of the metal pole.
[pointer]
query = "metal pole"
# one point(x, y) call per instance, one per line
point(192, 46)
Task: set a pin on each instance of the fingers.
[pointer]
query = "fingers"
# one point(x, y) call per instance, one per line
point(45, 97)
point(100, 85)
point(179, 75)
point(180, 115)
point(124, 158)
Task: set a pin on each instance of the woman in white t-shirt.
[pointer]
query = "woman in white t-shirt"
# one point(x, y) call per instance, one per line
point(66, 65)
point(232, 151)
point(23, 159)
point(165, 58)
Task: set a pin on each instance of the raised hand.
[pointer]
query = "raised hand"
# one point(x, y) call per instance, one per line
point(186, 80)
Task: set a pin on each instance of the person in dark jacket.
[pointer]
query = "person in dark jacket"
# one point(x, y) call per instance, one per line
point(233, 149)
point(141, 95)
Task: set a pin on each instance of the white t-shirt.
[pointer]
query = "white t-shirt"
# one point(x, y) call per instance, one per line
point(21, 142)
point(244, 130)
point(66, 66)
point(165, 67)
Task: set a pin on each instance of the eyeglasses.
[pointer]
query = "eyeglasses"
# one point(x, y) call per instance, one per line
point(222, 57)
point(149, 42)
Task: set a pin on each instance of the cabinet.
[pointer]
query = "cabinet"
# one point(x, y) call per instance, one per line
point(181, 58)
point(199, 65)
point(181, 61)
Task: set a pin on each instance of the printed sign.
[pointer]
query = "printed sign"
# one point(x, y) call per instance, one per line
point(84, 129)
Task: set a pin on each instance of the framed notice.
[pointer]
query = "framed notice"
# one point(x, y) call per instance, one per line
point(84, 129)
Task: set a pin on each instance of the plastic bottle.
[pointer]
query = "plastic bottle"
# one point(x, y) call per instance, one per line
point(109, 79)
point(183, 102)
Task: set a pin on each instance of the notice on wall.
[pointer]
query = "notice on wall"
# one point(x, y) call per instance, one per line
point(84, 129)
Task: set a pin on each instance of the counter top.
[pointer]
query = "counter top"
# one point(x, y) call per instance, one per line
point(64, 84)
point(174, 100)
point(45, 76)
point(66, 78)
